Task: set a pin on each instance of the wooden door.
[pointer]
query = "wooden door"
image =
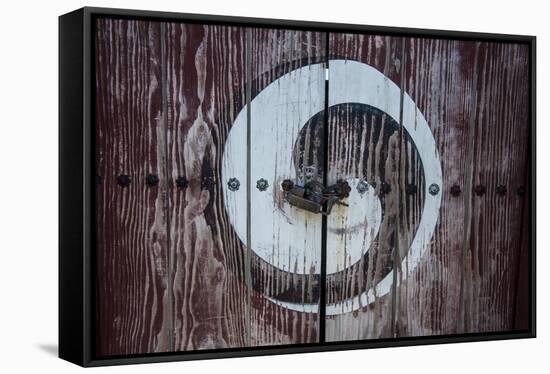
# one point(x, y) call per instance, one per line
point(197, 126)
point(184, 264)
point(431, 241)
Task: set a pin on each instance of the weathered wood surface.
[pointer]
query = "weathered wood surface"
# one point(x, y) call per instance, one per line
point(439, 77)
point(475, 101)
point(174, 272)
point(205, 83)
point(291, 272)
point(359, 148)
point(132, 308)
point(522, 317)
point(499, 158)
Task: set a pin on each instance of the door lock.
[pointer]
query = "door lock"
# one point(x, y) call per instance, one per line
point(314, 197)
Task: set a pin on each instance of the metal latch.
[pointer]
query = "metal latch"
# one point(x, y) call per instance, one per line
point(314, 197)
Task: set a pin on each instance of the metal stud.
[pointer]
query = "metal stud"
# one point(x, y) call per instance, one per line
point(501, 190)
point(480, 190)
point(455, 190)
point(433, 189)
point(411, 189)
point(385, 188)
point(207, 182)
point(287, 185)
point(233, 184)
point(342, 188)
point(151, 180)
point(309, 172)
point(123, 180)
point(362, 186)
point(182, 182)
point(262, 184)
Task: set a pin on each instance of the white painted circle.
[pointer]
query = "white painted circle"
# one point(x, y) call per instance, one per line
point(289, 238)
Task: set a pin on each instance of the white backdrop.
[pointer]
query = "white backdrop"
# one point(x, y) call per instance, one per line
point(28, 184)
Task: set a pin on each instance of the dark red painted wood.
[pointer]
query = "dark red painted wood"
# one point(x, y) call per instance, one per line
point(500, 155)
point(523, 296)
point(171, 273)
point(439, 77)
point(205, 82)
point(132, 298)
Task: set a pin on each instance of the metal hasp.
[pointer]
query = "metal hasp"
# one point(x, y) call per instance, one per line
point(314, 197)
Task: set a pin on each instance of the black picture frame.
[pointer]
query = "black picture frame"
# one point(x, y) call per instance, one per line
point(76, 183)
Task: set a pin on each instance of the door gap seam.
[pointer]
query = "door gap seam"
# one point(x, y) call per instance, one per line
point(323, 286)
point(247, 265)
point(166, 183)
point(397, 254)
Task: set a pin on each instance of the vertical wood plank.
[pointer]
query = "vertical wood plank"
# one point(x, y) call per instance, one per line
point(439, 77)
point(284, 145)
point(499, 154)
point(205, 91)
point(363, 145)
point(522, 310)
point(132, 302)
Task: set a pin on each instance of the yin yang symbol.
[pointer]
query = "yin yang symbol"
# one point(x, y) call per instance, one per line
point(286, 239)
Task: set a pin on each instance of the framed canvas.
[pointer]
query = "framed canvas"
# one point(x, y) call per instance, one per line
point(235, 186)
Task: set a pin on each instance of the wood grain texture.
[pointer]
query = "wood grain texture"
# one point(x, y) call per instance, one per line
point(132, 298)
point(439, 77)
point(522, 317)
point(362, 145)
point(499, 158)
point(174, 274)
point(205, 80)
point(273, 54)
